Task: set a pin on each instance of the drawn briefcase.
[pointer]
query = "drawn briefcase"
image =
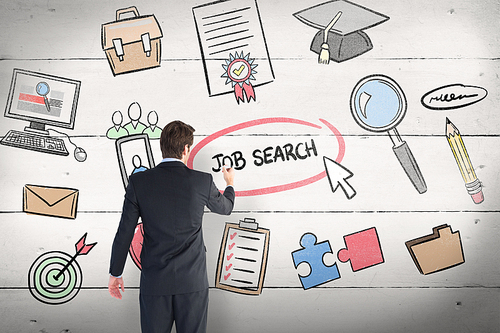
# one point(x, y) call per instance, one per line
point(132, 44)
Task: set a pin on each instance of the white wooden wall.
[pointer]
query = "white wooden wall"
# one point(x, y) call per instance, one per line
point(424, 45)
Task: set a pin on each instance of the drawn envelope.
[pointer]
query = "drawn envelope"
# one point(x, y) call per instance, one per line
point(438, 251)
point(50, 201)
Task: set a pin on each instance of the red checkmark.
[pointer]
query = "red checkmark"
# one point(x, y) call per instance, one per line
point(231, 246)
point(229, 257)
point(228, 267)
point(233, 235)
point(227, 276)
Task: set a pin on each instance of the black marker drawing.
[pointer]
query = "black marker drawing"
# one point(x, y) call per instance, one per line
point(42, 100)
point(243, 258)
point(56, 277)
point(312, 253)
point(378, 104)
point(133, 152)
point(50, 201)
point(137, 163)
point(337, 176)
point(43, 89)
point(472, 183)
point(132, 44)
point(340, 24)
point(117, 130)
point(438, 251)
point(134, 125)
point(239, 70)
point(231, 36)
point(153, 131)
point(453, 96)
point(362, 249)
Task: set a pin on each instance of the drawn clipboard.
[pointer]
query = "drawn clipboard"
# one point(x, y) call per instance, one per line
point(243, 258)
point(438, 251)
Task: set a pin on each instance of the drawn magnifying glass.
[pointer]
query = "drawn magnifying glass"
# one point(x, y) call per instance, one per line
point(378, 104)
point(42, 89)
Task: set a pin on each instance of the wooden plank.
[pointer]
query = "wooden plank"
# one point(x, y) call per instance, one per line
point(423, 46)
point(343, 309)
point(31, 236)
point(428, 30)
point(379, 179)
point(302, 90)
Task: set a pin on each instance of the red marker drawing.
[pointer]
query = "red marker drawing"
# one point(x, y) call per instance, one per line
point(264, 121)
point(81, 249)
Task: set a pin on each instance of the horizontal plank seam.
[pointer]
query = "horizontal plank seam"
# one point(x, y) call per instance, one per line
point(272, 59)
point(305, 211)
point(299, 288)
point(307, 135)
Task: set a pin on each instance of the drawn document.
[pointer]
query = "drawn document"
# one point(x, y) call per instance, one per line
point(226, 30)
point(242, 258)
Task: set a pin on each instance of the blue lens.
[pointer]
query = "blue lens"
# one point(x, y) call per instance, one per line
point(379, 104)
point(42, 88)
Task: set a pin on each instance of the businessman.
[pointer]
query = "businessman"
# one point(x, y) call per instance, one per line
point(170, 198)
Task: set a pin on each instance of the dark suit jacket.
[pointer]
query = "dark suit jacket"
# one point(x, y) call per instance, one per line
point(170, 199)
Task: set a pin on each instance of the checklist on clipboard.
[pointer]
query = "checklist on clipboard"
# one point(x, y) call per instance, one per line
point(243, 258)
point(224, 28)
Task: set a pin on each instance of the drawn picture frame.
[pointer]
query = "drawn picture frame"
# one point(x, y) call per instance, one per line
point(127, 148)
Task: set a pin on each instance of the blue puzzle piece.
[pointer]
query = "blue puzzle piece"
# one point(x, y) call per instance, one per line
point(312, 254)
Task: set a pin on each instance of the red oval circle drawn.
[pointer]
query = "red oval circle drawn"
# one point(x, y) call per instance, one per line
point(251, 123)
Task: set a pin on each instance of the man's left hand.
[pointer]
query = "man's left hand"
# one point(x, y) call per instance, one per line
point(114, 286)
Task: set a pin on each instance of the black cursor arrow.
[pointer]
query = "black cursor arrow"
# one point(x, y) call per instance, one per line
point(338, 175)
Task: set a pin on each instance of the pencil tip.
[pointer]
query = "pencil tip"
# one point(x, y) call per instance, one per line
point(450, 129)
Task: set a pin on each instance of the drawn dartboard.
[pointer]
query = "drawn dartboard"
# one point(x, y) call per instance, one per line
point(54, 278)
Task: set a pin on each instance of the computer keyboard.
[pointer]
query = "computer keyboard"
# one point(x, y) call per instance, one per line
point(41, 143)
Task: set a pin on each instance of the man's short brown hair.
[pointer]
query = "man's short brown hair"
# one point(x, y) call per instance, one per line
point(174, 137)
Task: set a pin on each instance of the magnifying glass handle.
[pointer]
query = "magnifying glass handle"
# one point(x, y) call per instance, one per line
point(47, 104)
point(410, 166)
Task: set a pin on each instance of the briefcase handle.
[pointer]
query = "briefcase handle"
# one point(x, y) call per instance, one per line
point(122, 11)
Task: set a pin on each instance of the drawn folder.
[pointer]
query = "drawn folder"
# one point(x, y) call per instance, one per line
point(243, 258)
point(438, 251)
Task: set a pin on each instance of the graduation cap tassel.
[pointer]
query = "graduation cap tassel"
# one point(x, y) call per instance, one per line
point(324, 55)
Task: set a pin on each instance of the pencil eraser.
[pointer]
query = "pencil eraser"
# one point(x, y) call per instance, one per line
point(478, 197)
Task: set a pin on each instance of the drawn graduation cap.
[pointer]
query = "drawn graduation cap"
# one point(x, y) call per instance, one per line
point(341, 24)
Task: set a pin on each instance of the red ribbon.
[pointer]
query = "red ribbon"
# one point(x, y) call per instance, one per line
point(247, 88)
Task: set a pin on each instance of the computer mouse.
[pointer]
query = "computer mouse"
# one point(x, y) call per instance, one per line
point(80, 154)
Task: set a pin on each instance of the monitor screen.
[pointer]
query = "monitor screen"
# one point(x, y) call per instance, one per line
point(42, 99)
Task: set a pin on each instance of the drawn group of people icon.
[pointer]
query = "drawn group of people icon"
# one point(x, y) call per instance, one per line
point(134, 126)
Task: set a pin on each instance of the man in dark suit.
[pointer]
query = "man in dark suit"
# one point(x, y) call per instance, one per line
point(170, 198)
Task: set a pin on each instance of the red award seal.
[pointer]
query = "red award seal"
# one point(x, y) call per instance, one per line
point(239, 70)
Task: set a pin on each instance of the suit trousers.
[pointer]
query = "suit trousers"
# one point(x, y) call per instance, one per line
point(188, 311)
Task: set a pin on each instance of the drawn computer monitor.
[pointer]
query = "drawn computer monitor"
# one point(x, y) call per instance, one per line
point(42, 99)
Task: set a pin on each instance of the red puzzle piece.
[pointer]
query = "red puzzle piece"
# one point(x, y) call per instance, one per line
point(362, 249)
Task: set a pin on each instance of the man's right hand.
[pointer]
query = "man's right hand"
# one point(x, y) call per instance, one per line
point(228, 175)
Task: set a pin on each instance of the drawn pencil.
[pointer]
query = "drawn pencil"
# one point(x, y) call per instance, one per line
point(458, 149)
